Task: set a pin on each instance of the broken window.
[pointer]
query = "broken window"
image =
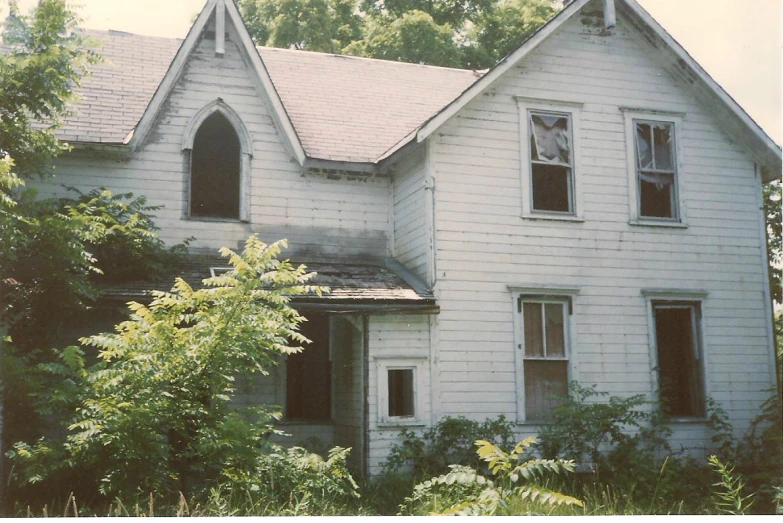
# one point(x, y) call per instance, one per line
point(308, 374)
point(656, 171)
point(215, 170)
point(679, 358)
point(401, 392)
point(545, 361)
point(551, 162)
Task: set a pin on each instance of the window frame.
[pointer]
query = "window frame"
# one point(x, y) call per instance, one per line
point(631, 117)
point(526, 106)
point(564, 296)
point(383, 366)
point(246, 156)
point(674, 298)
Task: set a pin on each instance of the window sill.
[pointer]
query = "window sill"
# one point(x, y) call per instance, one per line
point(533, 423)
point(304, 422)
point(401, 423)
point(653, 223)
point(553, 217)
point(214, 220)
point(687, 420)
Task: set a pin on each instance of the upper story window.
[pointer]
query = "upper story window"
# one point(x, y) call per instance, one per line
point(549, 158)
point(654, 172)
point(214, 170)
point(220, 151)
point(551, 162)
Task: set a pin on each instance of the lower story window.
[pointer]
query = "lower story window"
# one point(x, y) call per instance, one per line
point(400, 393)
point(544, 351)
point(680, 373)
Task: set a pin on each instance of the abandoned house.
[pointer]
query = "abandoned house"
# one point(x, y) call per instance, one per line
point(588, 209)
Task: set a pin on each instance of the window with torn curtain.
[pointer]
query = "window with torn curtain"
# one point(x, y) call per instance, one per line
point(654, 170)
point(549, 158)
point(545, 354)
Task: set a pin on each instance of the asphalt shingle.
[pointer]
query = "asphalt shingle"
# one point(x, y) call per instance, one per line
point(343, 108)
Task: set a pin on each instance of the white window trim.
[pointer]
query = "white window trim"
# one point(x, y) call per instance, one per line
point(675, 297)
point(573, 110)
point(541, 294)
point(246, 155)
point(383, 365)
point(629, 115)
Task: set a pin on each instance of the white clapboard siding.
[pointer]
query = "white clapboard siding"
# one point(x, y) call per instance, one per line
point(411, 235)
point(395, 336)
point(483, 244)
point(282, 194)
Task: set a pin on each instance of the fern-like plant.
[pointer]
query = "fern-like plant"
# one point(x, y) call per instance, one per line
point(514, 486)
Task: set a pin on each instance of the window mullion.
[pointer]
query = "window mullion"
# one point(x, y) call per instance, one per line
point(543, 330)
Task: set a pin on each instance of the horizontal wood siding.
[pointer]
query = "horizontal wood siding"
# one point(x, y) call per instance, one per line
point(411, 236)
point(283, 196)
point(483, 244)
point(394, 336)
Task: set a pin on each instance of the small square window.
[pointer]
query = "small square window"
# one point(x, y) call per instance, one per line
point(400, 401)
point(401, 393)
point(551, 162)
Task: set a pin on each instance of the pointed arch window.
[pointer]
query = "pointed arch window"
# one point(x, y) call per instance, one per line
point(219, 164)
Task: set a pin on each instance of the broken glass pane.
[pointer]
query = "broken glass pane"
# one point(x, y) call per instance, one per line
point(549, 139)
point(662, 138)
point(644, 154)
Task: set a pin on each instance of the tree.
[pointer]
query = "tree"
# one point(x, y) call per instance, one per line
point(773, 198)
point(155, 413)
point(474, 34)
point(48, 261)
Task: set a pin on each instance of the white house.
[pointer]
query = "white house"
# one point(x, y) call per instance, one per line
point(588, 209)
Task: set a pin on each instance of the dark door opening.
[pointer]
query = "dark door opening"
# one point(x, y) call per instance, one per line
point(309, 373)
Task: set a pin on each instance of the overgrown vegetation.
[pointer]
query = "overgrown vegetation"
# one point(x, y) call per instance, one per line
point(154, 414)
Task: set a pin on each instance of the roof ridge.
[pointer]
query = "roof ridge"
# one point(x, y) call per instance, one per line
point(121, 33)
point(477, 72)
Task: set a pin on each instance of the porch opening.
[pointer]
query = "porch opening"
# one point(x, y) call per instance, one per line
point(308, 374)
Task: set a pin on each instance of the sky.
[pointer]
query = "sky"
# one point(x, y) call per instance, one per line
point(737, 41)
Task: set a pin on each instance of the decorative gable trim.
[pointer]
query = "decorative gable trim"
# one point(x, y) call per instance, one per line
point(223, 9)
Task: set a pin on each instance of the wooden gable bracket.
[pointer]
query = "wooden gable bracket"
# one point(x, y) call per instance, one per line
point(610, 15)
point(220, 28)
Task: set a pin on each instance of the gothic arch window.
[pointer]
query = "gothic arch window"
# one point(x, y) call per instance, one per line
point(219, 150)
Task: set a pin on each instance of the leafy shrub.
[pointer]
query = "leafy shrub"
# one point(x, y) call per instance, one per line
point(154, 414)
point(448, 442)
point(511, 489)
point(291, 482)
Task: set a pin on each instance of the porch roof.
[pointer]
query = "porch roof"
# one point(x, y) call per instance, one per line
point(355, 285)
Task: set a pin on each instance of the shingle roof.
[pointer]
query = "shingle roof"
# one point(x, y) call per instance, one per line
point(343, 108)
point(348, 281)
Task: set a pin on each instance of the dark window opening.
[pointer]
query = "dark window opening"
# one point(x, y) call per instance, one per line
point(550, 188)
point(308, 374)
point(215, 170)
point(401, 392)
point(679, 360)
point(656, 199)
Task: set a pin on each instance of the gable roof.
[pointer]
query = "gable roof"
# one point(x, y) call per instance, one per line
point(356, 110)
point(345, 108)
point(750, 133)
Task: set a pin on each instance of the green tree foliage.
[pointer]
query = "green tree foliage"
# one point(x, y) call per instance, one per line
point(473, 35)
point(315, 25)
point(154, 414)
